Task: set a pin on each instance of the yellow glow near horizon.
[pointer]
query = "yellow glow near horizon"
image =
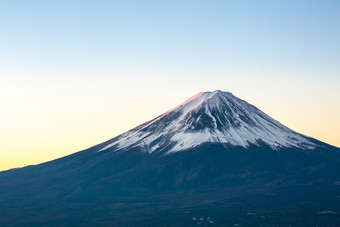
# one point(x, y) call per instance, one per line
point(45, 120)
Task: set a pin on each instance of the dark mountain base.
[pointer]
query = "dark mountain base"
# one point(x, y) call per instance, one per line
point(245, 211)
point(208, 185)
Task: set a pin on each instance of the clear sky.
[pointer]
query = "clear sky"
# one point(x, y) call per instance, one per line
point(76, 73)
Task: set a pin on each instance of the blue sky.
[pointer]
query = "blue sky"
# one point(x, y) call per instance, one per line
point(75, 73)
point(163, 35)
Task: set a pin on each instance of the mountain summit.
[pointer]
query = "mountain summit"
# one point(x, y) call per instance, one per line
point(212, 160)
point(210, 117)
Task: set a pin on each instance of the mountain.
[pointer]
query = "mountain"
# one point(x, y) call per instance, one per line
point(212, 160)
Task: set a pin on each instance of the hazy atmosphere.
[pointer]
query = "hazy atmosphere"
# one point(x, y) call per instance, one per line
point(76, 73)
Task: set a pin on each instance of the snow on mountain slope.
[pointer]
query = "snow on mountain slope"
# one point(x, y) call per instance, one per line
point(215, 117)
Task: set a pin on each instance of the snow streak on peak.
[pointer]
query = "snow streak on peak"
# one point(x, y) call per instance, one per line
point(210, 117)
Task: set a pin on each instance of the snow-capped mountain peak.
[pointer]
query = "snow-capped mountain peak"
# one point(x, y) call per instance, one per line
point(210, 117)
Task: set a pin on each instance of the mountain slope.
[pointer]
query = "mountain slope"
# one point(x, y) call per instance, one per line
point(212, 156)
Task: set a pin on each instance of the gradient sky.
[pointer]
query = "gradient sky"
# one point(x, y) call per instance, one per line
point(76, 73)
